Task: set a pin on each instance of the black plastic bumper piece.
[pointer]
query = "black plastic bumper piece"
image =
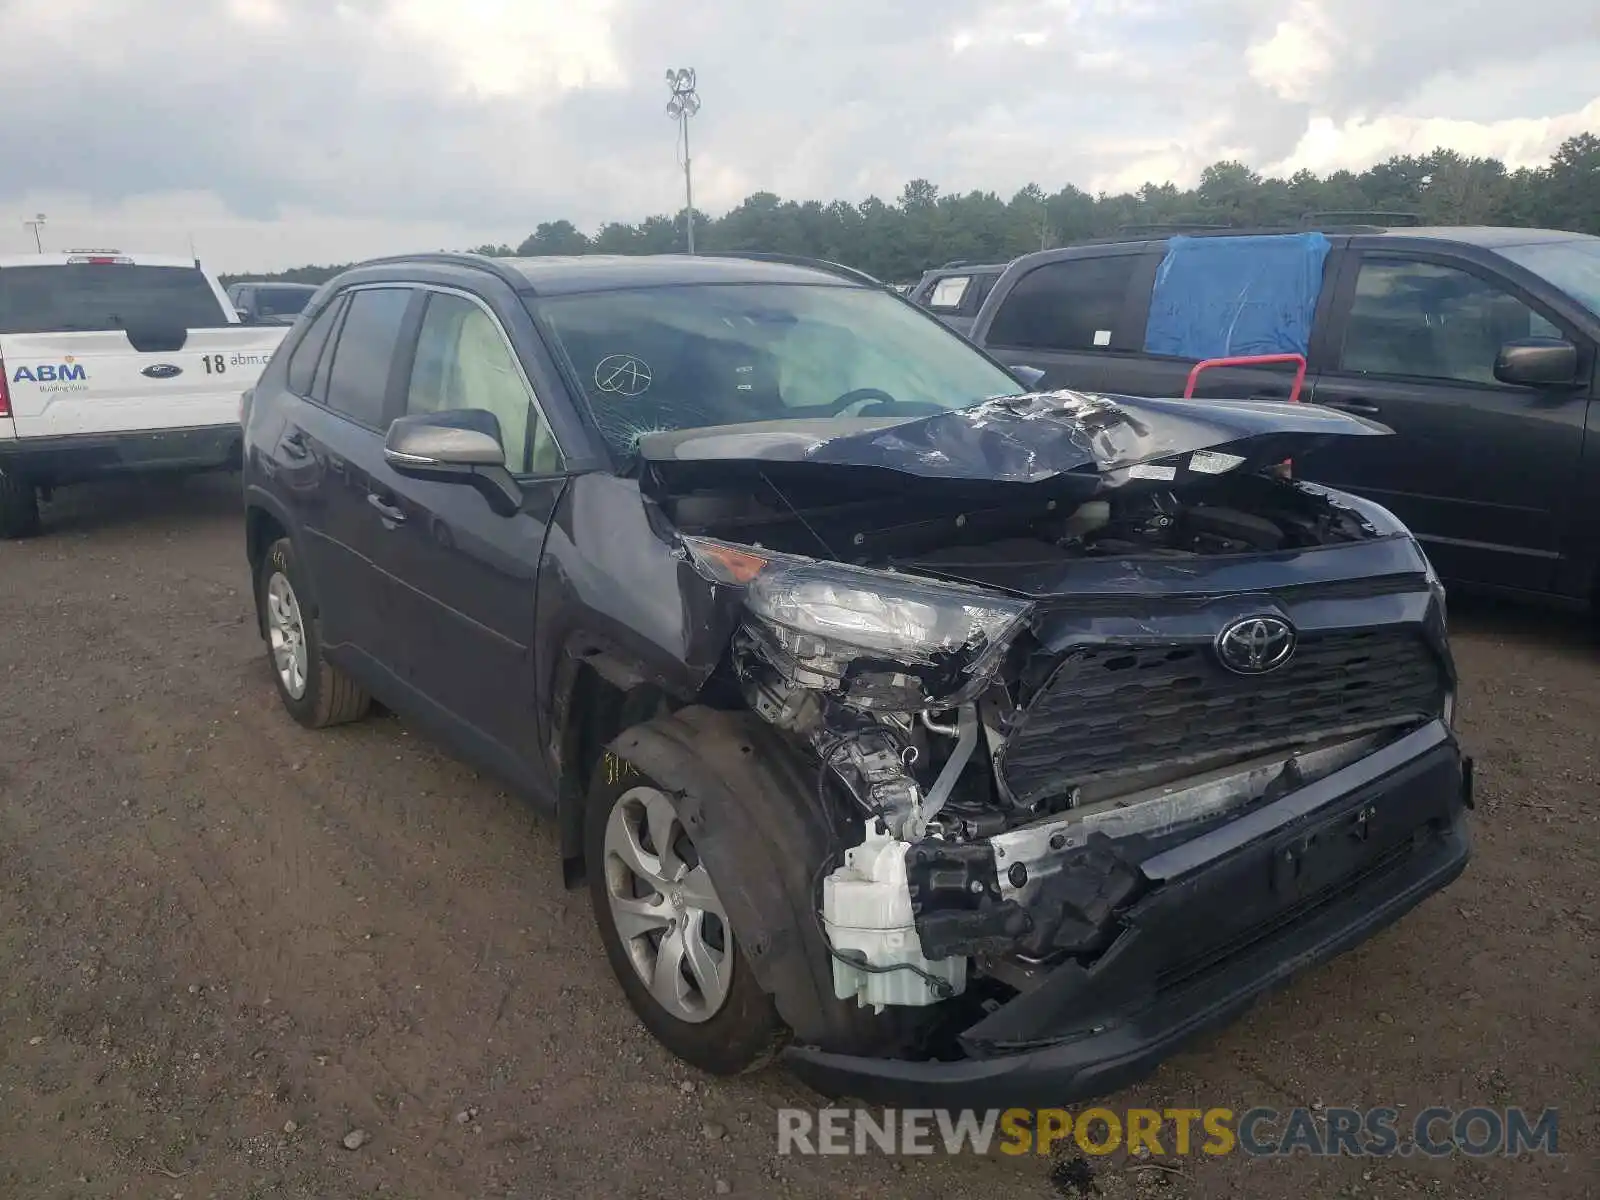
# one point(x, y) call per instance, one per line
point(1239, 911)
point(76, 458)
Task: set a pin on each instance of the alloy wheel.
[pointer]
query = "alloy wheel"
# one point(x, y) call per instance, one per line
point(286, 634)
point(666, 910)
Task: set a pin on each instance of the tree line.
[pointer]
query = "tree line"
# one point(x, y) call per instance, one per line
point(897, 240)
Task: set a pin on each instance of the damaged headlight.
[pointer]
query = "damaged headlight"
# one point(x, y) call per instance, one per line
point(913, 623)
point(869, 630)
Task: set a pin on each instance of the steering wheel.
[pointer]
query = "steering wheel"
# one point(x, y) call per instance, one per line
point(858, 396)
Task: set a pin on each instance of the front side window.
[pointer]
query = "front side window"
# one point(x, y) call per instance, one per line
point(99, 297)
point(359, 379)
point(1073, 304)
point(464, 361)
point(1430, 321)
point(692, 356)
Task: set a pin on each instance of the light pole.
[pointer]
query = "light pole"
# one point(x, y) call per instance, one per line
point(684, 104)
point(36, 224)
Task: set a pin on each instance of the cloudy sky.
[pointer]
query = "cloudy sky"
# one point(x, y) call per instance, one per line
point(277, 132)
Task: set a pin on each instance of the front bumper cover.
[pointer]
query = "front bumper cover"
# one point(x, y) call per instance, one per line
point(1236, 912)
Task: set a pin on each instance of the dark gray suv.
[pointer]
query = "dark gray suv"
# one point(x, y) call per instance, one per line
point(957, 741)
point(1475, 346)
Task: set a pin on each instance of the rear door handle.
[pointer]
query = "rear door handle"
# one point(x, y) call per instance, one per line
point(387, 511)
point(1359, 407)
point(294, 444)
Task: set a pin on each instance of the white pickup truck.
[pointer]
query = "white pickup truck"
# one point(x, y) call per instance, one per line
point(113, 363)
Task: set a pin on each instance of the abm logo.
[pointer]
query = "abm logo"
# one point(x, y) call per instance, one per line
point(62, 372)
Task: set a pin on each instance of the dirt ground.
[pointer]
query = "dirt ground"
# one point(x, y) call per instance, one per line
point(226, 942)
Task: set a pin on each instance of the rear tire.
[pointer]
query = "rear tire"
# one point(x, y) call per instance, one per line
point(19, 507)
point(316, 693)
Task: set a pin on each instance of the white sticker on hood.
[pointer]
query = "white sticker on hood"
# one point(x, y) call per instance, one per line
point(623, 375)
point(1213, 462)
point(1151, 471)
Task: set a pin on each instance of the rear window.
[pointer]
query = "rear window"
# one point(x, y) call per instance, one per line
point(93, 297)
point(364, 355)
point(1070, 304)
point(304, 358)
point(949, 291)
point(282, 301)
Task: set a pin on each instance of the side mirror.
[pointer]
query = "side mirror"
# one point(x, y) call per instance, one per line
point(244, 315)
point(1031, 377)
point(1537, 362)
point(462, 446)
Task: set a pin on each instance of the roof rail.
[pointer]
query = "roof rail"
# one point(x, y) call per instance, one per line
point(1129, 233)
point(1382, 220)
point(481, 262)
point(798, 260)
point(1158, 228)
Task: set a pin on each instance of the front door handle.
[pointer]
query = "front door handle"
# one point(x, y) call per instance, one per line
point(1359, 407)
point(387, 511)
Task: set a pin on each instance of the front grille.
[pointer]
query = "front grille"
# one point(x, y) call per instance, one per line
point(1116, 709)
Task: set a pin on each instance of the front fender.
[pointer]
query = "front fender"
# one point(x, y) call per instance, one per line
point(748, 798)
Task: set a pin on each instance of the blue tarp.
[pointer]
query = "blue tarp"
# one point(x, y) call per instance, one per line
point(1221, 296)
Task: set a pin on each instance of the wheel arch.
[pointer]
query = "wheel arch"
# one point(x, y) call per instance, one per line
point(265, 521)
point(745, 793)
point(599, 697)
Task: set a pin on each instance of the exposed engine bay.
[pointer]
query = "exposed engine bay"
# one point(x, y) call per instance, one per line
point(908, 527)
point(997, 757)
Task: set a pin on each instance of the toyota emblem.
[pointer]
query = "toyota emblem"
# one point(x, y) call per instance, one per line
point(1256, 645)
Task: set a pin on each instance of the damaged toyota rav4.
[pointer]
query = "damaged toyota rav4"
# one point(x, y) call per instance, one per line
point(947, 739)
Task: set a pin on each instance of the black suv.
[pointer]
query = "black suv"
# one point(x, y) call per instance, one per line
point(967, 743)
point(1476, 346)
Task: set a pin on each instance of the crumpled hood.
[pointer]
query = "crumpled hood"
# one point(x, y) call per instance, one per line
point(1033, 437)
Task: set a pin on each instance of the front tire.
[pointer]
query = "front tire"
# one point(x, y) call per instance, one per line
point(666, 931)
point(19, 507)
point(316, 693)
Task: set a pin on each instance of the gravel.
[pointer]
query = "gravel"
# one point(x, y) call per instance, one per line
point(381, 863)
